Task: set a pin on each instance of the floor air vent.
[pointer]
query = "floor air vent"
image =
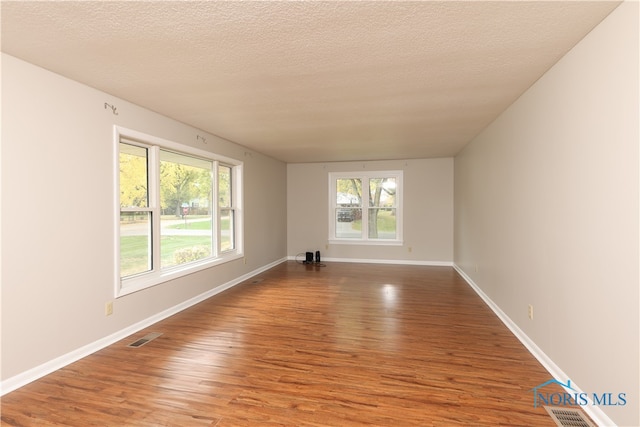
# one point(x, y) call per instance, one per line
point(568, 417)
point(145, 339)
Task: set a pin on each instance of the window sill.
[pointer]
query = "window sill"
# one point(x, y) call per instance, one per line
point(144, 281)
point(366, 242)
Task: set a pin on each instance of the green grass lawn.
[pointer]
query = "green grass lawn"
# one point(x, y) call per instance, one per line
point(134, 251)
point(200, 225)
point(386, 222)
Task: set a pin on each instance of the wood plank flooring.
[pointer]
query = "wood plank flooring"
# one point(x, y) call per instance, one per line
point(341, 345)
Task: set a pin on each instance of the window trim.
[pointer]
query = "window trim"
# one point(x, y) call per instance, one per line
point(157, 276)
point(365, 240)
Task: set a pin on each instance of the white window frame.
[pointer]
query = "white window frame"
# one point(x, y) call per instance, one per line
point(236, 180)
point(128, 285)
point(365, 176)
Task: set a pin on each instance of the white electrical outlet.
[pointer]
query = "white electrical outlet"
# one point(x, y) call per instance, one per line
point(530, 312)
point(108, 308)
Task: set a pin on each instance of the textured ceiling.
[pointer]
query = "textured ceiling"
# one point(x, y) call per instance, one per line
point(309, 81)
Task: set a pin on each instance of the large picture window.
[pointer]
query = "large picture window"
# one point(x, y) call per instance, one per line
point(365, 207)
point(169, 221)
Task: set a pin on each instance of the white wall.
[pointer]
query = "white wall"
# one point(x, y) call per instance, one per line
point(58, 215)
point(546, 209)
point(428, 211)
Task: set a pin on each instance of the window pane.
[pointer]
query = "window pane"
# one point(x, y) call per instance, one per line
point(133, 176)
point(382, 192)
point(135, 243)
point(224, 186)
point(349, 192)
point(348, 215)
point(382, 215)
point(185, 199)
point(227, 241)
point(349, 223)
point(382, 223)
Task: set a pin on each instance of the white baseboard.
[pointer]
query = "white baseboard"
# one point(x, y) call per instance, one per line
point(46, 368)
point(596, 414)
point(381, 261)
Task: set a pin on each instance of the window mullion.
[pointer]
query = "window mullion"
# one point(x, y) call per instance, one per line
point(365, 208)
point(236, 207)
point(136, 209)
point(215, 211)
point(237, 202)
point(154, 204)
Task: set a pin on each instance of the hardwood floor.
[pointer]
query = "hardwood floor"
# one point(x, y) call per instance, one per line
point(341, 345)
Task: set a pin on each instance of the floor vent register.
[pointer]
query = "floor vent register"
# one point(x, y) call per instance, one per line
point(568, 417)
point(145, 339)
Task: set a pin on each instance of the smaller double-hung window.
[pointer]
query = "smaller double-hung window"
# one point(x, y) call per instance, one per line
point(365, 207)
point(179, 210)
